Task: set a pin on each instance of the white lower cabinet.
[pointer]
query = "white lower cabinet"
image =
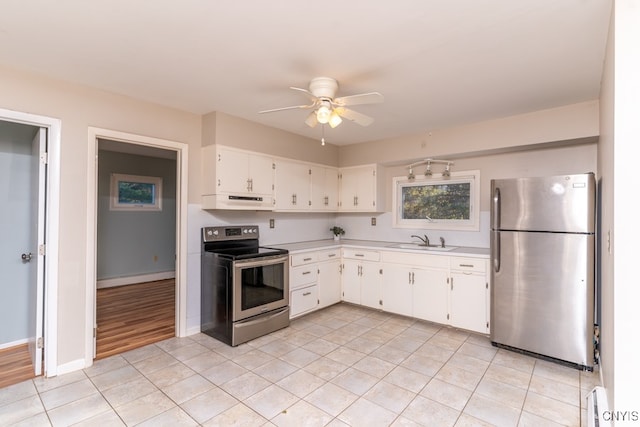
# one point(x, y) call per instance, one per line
point(469, 294)
point(450, 290)
point(303, 283)
point(314, 281)
point(329, 282)
point(362, 278)
point(430, 296)
point(416, 292)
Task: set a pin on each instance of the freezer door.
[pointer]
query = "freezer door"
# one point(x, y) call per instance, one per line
point(542, 293)
point(558, 203)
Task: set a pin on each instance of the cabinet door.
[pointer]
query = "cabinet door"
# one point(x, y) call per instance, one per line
point(232, 171)
point(260, 174)
point(292, 186)
point(468, 301)
point(371, 284)
point(351, 281)
point(397, 290)
point(329, 283)
point(430, 293)
point(324, 188)
point(358, 189)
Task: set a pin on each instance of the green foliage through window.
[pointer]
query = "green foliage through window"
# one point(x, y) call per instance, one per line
point(136, 193)
point(437, 201)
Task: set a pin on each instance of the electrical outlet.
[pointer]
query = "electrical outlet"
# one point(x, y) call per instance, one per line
point(373, 221)
point(272, 223)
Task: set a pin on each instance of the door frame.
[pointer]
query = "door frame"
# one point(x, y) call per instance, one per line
point(182, 172)
point(51, 223)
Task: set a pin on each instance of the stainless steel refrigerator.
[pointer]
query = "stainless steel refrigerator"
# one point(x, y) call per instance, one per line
point(542, 259)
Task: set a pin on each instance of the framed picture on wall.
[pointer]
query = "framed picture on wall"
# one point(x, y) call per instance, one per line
point(135, 193)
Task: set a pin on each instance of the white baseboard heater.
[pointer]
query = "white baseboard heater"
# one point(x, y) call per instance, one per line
point(596, 407)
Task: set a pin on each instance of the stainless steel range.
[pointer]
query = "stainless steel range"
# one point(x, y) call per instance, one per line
point(245, 286)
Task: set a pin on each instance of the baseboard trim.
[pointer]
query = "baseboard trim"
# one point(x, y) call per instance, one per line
point(132, 280)
point(14, 343)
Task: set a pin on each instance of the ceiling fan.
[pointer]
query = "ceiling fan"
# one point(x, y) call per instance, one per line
point(329, 109)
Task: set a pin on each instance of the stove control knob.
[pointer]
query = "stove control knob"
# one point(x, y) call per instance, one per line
point(245, 231)
point(255, 230)
point(216, 232)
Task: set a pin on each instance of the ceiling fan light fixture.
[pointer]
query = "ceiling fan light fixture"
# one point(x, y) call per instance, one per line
point(334, 119)
point(323, 114)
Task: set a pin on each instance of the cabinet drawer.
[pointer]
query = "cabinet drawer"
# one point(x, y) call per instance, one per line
point(303, 300)
point(468, 264)
point(361, 254)
point(304, 258)
point(303, 275)
point(329, 255)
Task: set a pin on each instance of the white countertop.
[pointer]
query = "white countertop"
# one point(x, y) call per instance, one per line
point(377, 245)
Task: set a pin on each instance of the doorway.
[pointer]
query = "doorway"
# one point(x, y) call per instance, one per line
point(152, 147)
point(136, 243)
point(29, 194)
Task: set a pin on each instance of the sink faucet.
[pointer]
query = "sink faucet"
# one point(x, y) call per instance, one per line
point(442, 242)
point(424, 239)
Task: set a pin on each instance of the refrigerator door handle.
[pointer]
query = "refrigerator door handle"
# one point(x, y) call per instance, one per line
point(495, 218)
point(496, 251)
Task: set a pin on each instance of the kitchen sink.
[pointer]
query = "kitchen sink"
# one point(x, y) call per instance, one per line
point(419, 247)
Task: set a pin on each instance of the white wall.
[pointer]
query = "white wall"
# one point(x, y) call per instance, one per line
point(550, 160)
point(79, 107)
point(620, 104)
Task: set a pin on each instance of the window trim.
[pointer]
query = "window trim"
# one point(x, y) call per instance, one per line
point(114, 203)
point(472, 224)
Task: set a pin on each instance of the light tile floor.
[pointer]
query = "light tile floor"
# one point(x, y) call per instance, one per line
point(344, 365)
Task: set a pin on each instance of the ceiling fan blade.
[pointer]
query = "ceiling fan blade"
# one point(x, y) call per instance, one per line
point(305, 92)
point(363, 98)
point(354, 116)
point(287, 108)
point(312, 119)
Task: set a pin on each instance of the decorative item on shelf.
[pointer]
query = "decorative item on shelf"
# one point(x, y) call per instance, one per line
point(337, 232)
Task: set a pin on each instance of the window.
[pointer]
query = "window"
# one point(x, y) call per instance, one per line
point(437, 203)
point(135, 193)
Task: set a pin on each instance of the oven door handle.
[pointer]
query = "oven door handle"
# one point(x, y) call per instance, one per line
point(262, 261)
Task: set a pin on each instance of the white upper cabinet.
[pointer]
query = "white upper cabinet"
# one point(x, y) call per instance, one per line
point(301, 186)
point(324, 188)
point(292, 185)
point(361, 189)
point(236, 179)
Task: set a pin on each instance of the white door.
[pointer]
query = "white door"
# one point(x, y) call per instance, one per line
point(35, 256)
point(22, 195)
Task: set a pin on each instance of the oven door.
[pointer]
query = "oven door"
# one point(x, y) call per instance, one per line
point(260, 285)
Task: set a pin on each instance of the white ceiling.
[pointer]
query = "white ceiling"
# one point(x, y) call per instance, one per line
point(438, 63)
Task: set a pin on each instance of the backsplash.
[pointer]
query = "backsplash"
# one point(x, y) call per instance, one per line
point(358, 226)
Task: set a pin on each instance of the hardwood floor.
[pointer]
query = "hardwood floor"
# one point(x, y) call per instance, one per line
point(133, 316)
point(15, 365)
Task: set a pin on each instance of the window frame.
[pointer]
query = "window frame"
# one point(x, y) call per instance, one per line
point(472, 224)
point(114, 201)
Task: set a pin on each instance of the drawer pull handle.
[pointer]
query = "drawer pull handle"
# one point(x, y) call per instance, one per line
point(306, 294)
point(307, 259)
point(306, 272)
point(359, 254)
point(466, 265)
point(332, 255)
